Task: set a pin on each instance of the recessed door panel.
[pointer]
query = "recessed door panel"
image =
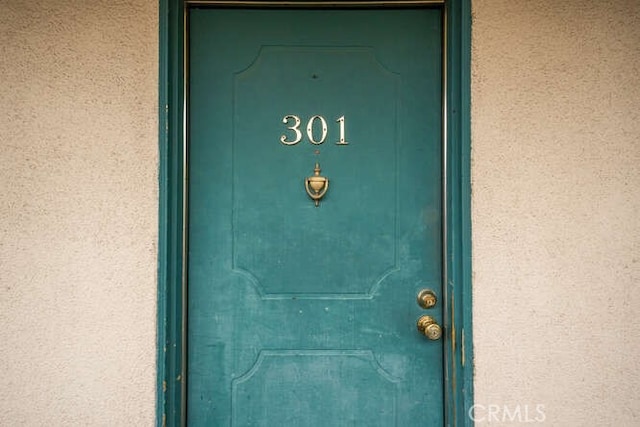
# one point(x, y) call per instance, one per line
point(315, 82)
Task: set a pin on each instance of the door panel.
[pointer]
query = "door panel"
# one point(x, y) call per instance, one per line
point(305, 315)
point(308, 81)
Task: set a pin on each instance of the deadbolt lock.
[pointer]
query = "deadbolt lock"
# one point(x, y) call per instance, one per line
point(426, 298)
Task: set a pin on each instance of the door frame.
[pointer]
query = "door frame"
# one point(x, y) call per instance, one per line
point(171, 320)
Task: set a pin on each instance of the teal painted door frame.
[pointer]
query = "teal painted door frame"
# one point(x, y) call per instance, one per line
point(457, 289)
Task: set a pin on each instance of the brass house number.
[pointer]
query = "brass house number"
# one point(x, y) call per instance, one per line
point(293, 123)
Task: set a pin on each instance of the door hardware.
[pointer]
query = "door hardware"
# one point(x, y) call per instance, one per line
point(426, 298)
point(316, 185)
point(428, 326)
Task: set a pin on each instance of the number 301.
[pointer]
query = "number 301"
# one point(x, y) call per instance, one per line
point(293, 123)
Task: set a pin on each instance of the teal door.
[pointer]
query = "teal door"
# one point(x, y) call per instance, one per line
point(303, 313)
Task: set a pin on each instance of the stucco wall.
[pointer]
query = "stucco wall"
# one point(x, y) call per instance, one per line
point(78, 212)
point(556, 208)
point(556, 173)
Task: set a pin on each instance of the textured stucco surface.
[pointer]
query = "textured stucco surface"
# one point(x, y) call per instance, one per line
point(78, 214)
point(556, 202)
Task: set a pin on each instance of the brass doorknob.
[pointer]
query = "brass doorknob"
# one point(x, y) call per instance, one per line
point(426, 298)
point(428, 326)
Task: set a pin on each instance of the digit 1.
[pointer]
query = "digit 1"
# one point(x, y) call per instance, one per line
point(342, 138)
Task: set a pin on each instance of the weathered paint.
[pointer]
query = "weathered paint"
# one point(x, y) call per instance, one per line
point(301, 313)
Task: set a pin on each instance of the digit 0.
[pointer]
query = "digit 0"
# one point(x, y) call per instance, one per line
point(323, 123)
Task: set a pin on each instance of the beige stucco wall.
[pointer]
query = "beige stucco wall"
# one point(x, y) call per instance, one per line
point(78, 212)
point(556, 208)
point(556, 178)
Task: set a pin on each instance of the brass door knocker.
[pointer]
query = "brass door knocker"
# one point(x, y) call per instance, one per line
point(316, 185)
